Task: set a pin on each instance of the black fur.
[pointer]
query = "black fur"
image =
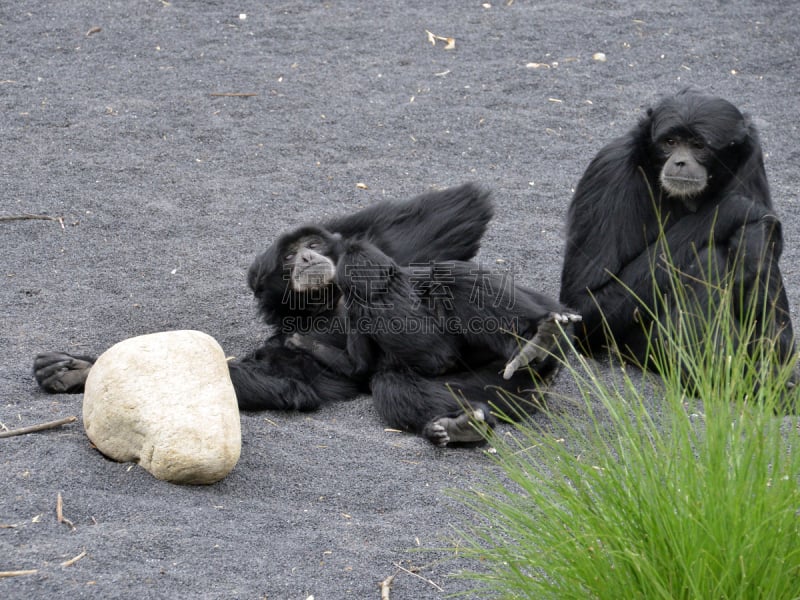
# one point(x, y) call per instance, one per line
point(716, 215)
point(438, 225)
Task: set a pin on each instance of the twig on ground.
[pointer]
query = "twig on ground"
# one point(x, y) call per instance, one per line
point(60, 512)
point(386, 585)
point(27, 217)
point(72, 561)
point(18, 573)
point(450, 43)
point(39, 427)
point(402, 568)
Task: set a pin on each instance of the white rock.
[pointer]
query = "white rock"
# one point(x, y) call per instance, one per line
point(166, 401)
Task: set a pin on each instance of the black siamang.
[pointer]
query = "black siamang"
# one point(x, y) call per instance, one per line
point(687, 183)
point(436, 337)
point(295, 294)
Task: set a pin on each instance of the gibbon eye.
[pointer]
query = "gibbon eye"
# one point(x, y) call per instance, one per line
point(670, 142)
point(289, 257)
point(313, 245)
point(698, 144)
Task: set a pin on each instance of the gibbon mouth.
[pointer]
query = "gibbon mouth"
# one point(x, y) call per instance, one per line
point(318, 267)
point(683, 186)
point(313, 275)
point(691, 180)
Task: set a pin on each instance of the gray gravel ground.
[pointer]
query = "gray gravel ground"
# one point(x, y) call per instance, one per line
point(167, 192)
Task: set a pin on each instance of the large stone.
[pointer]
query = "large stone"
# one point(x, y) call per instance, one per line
point(166, 401)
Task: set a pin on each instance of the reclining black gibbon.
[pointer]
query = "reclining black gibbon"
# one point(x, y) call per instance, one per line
point(293, 285)
point(693, 170)
point(435, 338)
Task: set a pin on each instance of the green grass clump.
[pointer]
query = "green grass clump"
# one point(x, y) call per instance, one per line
point(683, 496)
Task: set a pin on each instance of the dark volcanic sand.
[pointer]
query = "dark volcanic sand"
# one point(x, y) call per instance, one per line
point(167, 192)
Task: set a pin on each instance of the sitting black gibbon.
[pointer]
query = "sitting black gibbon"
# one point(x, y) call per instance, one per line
point(294, 294)
point(688, 183)
point(441, 341)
